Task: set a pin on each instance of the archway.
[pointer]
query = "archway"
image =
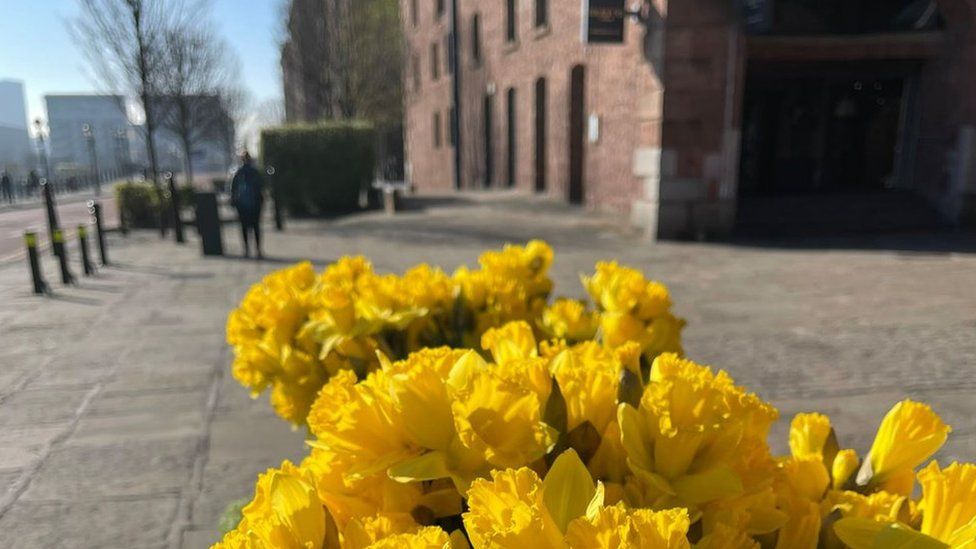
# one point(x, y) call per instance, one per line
point(831, 112)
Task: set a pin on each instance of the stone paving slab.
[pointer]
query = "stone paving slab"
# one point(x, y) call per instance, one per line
point(120, 425)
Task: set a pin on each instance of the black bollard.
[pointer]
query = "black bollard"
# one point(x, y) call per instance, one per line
point(96, 210)
point(208, 224)
point(62, 252)
point(34, 260)
point(52, 212)
point(174, 199)
point(86, 265)
point(276, 199)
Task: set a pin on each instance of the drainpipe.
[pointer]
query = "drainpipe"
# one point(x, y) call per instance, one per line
point(456, 91)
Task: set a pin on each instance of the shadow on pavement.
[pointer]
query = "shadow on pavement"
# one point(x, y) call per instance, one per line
point(920, 243)
point(273, 260)
point(74, 299)
point(159, 271)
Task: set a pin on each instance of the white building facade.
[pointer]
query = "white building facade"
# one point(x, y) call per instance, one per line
point(108, 129)
point(15, 151)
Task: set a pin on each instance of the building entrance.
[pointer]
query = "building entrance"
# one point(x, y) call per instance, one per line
point(823, 130)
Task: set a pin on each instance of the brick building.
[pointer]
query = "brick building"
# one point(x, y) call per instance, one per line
point(709, 116)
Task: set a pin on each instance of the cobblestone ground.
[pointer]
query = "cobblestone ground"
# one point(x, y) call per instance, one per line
point(120, 426)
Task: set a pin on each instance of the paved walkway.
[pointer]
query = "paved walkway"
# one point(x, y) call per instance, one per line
point(120, 426)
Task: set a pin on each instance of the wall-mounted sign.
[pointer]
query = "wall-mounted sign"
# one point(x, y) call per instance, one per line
point(605, 21)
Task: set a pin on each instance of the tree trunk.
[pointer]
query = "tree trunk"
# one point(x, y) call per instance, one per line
point(147, 107)
point(188, 160)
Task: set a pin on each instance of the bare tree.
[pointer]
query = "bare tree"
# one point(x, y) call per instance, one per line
point(197, 70)
point(122, 40)
point(237, 102)
point(343, 59)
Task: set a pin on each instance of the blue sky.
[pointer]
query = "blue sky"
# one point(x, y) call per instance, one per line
point(36, 47)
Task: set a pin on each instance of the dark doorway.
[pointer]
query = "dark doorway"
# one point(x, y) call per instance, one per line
point(577, 106)
point(821, 130)
point(824, 149)
point(489, 116)
point(512, 128)
point(540, 134)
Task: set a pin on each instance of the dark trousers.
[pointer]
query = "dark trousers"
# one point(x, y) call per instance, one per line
point(250, 224)
point(8, 194)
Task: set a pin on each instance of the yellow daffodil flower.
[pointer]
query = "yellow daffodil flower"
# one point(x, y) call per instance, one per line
point(909, 434)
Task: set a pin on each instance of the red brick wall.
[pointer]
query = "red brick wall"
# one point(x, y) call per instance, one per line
point(618, 78)
point(947, 92)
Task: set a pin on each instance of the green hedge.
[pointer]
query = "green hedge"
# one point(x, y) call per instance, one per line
point(321, 168)
point(139, 203)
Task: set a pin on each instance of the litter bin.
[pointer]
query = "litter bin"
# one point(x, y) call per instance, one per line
point(208, 224)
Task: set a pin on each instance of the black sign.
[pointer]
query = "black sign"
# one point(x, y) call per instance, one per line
point(605, 21)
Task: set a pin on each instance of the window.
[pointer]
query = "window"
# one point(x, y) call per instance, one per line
point(510, 26)
point(511, 137)
point(541, 13)
point(416, 73)
point(541, 115)
point(440, 8)
point(435, 61)
point(414, 9)
point(452, 124)
point(476, 38)
point(449, 48)
point(437, 130)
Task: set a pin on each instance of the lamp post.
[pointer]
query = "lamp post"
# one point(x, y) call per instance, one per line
point(42, 150)
point(121, 151)
point(89, 134)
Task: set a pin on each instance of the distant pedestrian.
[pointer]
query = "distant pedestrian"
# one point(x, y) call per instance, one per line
point(247, 196)
point(33, 183)
point(6, 187)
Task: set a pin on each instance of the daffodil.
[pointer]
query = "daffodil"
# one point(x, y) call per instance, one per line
point(810, 435)
point(909, 434)
point(569, 319)
point(617, 526)
point(948, 508)
point(518, 509)
point(725, 537)
point(633, 309)
point(285, 513)
point(684, 439)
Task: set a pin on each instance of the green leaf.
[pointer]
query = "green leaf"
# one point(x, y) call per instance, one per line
point(555, 414)
point(567, 489)
point(631, 388)
point(585, 439)
point(430, 466)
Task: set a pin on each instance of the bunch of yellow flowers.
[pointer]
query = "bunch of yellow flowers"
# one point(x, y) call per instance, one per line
point(296, 329)
point(539, 437)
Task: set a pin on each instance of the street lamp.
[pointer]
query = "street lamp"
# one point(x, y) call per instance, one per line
point(121, 151)
point(42, 150)
point(88, 132)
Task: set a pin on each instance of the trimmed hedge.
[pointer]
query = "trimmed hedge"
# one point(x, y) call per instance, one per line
point(139, 203)
point(320, 168)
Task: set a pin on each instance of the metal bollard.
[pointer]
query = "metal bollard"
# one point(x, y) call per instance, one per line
point(62, 252)
point(34, 260)
point(174, 198)
point(96, 210)
point(52, 212)
point(86, 265)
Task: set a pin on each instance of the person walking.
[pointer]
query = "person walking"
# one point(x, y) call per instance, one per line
point(247, 196)
point(6, 187)
point(33, 183)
